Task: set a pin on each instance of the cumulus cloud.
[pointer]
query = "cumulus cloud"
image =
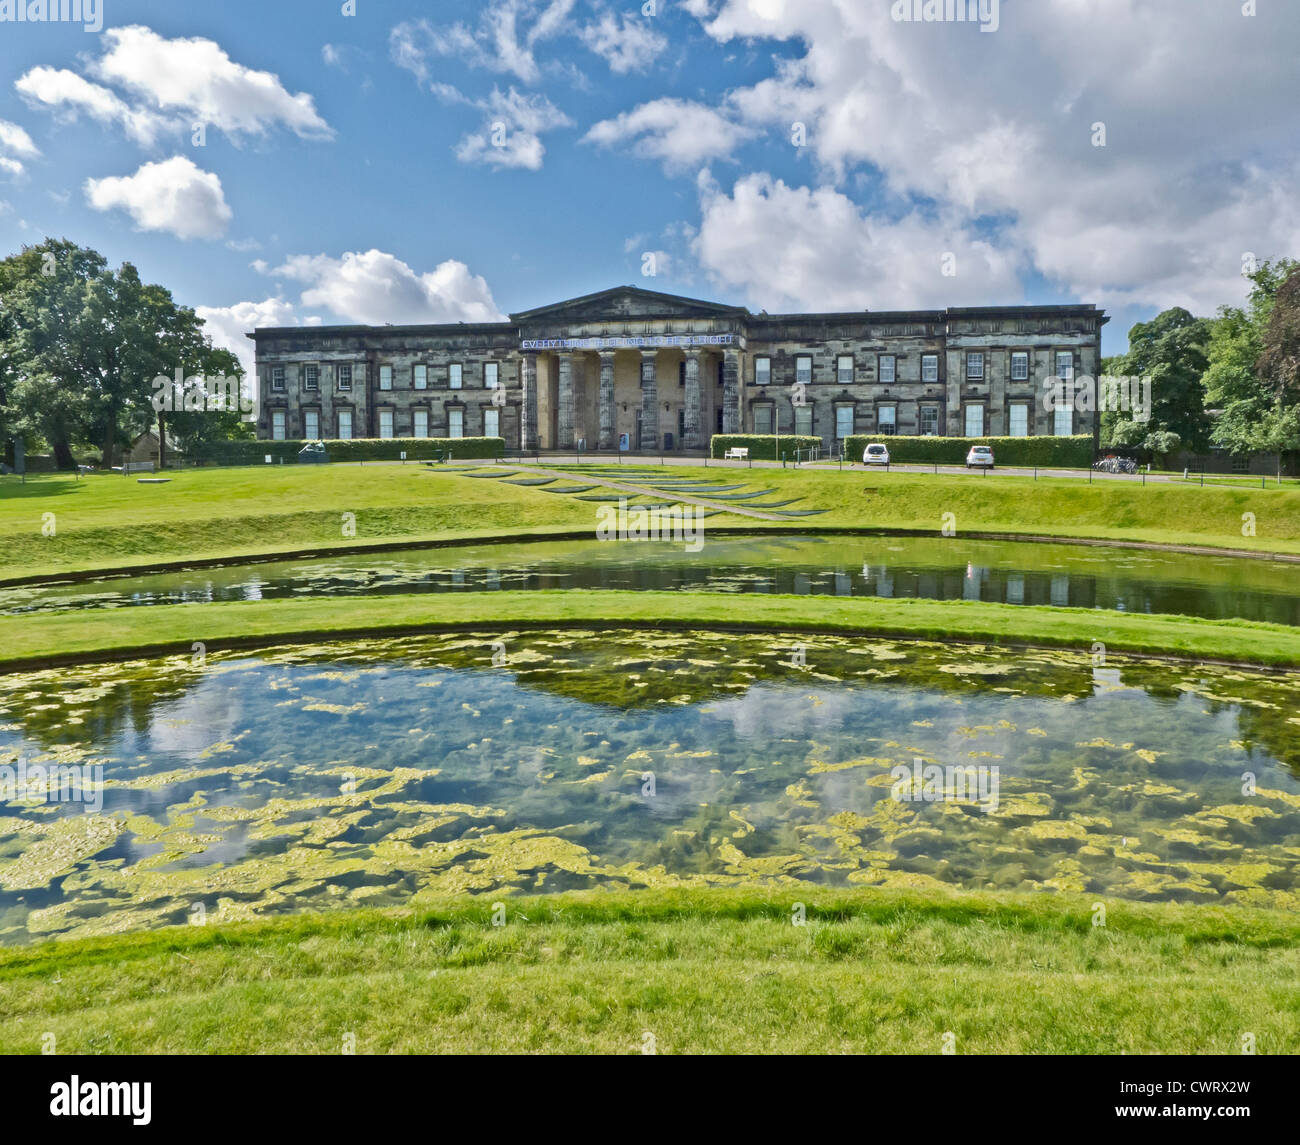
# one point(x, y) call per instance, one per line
point(227, 325)
point(628, 44)
point(374, 287)
point(170, 84)
point(14, 141)
point(680, 133)
point(1198, 160)
point(173, 196)
point(511, 133)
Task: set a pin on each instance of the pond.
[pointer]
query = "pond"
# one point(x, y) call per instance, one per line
point(1129, 580)
point(387, 773)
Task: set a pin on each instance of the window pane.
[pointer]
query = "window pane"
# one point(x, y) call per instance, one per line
point(421, 377)
point(1019, 367)
point(886, 367)
point(345, 424)
point(277, 425)
point(929, 367)
point(385, 377)
point(803, 369)
point(803, 419)
point(929, 420)
point(1019, 421)
point(1065, 364)
point(345, 377)
point(843, 421)
point(311, 377)
point(762, 419)
point(277, 377)
point(1063, 420)
point(974, 421)
point(490, 375)
point(762, 371)
point(310, 424)
point(455, 423)
point(491, 423)
point(844, 370)
point(421, 423)
point(975, 365)
point(453, 374)
point(885, 418)
point(385, 423)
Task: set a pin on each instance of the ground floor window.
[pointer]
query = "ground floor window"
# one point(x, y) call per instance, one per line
point(455, 423)
point(385, 423)
point(843, 422)
point(975, 421)
point(887, 419)
point(1018, 426)
point(310, 424)
point(345, 425)
point(762, 419)
point(929, 421)
point(491, 423)
point(803, 420)
point(1063, 420)
point(277, 425)
point(421, 426)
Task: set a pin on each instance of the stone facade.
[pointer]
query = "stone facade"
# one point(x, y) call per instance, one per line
point(634, 369)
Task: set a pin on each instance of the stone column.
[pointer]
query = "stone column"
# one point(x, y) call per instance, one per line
point(564, 411)
point(606, 399)
point(528, 404)
point(730, 392)
point(694, 415)
point(649, 402)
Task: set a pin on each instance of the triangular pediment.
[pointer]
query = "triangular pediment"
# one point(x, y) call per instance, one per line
point(626, 302)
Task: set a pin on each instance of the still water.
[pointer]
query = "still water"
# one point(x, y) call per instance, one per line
point(391, 772)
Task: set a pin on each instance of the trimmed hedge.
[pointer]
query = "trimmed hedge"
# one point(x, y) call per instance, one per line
point(762, 446)
point(353, 449)
point(1068, 452)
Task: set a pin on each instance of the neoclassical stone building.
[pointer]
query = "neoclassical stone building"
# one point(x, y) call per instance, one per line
point(635, 369)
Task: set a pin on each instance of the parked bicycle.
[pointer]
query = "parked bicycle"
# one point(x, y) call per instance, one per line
point(1113, 464)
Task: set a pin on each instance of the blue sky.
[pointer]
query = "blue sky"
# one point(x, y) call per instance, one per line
point(432, 162)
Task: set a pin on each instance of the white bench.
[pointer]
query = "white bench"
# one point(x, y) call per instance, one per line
point(736, 453)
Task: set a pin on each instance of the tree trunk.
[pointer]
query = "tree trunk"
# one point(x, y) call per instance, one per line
point(63, 458)
point(162, 441)
point(110, 444)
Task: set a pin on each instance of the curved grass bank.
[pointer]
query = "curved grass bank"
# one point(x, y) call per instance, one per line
point(107, 523)
point(701, 972)
point(62, 638)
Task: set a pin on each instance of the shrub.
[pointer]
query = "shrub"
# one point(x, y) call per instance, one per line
point(763, 446)
point(1068, 452)
point(353, 449)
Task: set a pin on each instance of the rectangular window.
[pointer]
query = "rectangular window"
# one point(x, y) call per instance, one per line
point(311, 424)
point(929, 367)
point(491, 375)
point(1019, 424)
point(421, 423)
point(843, 422)
point(454, 375)
point(385, 377)
point(763, 419)
point(762, 371)
point(277, 378)
point(887, 368)
point(385, 423)
point(803, 369)
point(886, 419)
point(975, 365)
point(345, 377)
point(456, 422)
point(1065, 365)
point(929, 421)
point(345, 425)
point(491, 423)
point(1063, 419)
point(844, 369)
point(803, 420)
point(421, 380)
point(311, 377)
point(277, 425)
point(974, 421)
point(1020, 366)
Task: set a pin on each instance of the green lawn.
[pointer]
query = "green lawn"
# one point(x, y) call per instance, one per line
point(51, 637)
point(705, 972)
point(104, 521)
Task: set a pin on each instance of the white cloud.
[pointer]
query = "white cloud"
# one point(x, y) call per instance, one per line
point(627, 45)
point(795, 248)
point(511, 133)
point(374, 287)
point(227, 325)
point(173, 195)
point(681, 133)
point(71, 94)
point(1199, 165)
point(14, 139)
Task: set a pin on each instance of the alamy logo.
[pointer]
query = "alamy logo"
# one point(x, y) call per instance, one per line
point(684, 523)
point(196, 393)
point(87, 12)
point(1119, 394)
point(922, 783)
point(985, 13)
point(77, 1098)
point(59, 783)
